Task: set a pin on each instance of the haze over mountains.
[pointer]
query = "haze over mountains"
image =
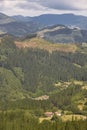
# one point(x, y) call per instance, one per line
point(52, 19)
point(63, 34)
point(19, 26)
point(9, 25)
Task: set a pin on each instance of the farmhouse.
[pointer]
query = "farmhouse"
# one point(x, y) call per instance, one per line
point(58, 113)
point(49, 114)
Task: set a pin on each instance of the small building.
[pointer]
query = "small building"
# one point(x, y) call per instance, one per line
point(58, 113)
point(49, 114)
point(44, 97)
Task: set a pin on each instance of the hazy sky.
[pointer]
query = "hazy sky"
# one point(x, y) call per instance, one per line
point(38, 7)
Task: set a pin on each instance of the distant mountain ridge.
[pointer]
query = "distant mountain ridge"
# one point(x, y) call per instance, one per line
point(52, 19)
point(21, 26)
point(22, 18)
point(64, 19)
point(63, 34)
point(17, 28)
point(4, 19)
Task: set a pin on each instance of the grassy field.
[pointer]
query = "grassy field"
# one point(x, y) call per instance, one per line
point(73, 117)
point(78, 82)
point(41, 119)
point(65, 118)
point(42, 44)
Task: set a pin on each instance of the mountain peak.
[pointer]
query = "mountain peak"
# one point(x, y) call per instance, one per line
point(4, 19)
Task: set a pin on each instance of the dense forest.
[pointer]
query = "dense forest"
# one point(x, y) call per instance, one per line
point(39, 68)
point(32, 72)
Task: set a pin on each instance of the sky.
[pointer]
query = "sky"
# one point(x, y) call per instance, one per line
point(38, 7)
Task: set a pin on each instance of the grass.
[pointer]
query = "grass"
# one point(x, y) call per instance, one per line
point(41, 119)
point(43, 44)
point(81, 107)
point(78, 82)
point(65, 118)
point(77, 65)
point(62, 84)
point(73, 117)
point(11, 86)
point(84, 87)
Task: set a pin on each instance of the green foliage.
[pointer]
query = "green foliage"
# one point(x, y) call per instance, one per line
point(22, 120)
point(26, 73)
point(7, 46)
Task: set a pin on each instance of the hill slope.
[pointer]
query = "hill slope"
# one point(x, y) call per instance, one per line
point(4, 19)
point(52, 19)
point(9, 25)
point(32, 78)
point(43, 44)
point(63, 34)
point(21, 26)
point(64, 19)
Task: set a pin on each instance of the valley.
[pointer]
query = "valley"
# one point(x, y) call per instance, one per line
point(43, 74)
point(28, 83)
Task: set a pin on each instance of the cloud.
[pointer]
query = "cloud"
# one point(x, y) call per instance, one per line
point(63, 4)
point(37, 7)
point(29, 5)
point(24, 7)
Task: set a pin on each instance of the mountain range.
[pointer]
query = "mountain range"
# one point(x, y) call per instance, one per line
point(11, 26)
point(54, 27)
point(63, 34)
point(52, 19)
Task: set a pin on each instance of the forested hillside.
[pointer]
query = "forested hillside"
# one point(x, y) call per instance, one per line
point(28, 75)
point(36, 68)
